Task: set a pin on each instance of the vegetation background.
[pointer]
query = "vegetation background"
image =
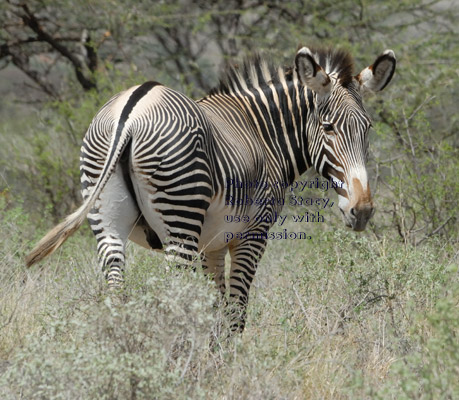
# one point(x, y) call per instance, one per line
point(344, 316)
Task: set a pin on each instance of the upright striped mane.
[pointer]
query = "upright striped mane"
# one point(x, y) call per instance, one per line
point(335, 62)
point(257, 72)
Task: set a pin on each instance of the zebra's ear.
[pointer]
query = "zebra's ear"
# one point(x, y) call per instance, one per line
point(312, 74)
point(376, 77)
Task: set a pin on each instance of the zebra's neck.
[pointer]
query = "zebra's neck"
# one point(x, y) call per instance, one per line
point(280, 114)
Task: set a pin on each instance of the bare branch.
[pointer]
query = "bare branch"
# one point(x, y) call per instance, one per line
point(32, 22)
point(434, 232)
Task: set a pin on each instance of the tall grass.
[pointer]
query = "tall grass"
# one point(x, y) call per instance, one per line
point(341, 316)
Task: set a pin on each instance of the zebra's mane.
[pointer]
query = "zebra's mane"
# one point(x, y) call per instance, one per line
point(257, 72)
point(335, 61)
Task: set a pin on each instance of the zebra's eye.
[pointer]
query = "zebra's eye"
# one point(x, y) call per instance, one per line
point(328, 128)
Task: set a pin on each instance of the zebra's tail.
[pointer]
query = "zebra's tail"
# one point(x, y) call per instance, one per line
point(60, 233)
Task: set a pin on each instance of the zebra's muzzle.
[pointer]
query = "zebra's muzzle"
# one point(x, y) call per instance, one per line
point(357, 217)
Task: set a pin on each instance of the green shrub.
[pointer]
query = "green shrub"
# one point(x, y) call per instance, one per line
point(431, 371)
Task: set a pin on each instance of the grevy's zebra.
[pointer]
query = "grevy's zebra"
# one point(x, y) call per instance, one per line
point(154, 164)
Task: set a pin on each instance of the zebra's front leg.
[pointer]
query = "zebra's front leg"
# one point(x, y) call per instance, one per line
point(213, 264)
point(244, 261)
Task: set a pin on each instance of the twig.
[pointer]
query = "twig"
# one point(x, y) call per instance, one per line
point(187, 364)
point(300, 302)
point(427, 100)
point(434, 232)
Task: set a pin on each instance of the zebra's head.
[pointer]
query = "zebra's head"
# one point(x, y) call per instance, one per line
point(338, 135)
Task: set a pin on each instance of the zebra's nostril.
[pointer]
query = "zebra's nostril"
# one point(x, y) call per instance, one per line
point(352, 211)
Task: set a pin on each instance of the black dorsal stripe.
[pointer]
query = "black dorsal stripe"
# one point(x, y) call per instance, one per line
point(135, 97)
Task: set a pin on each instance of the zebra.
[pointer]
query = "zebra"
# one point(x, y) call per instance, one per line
point(156, 165)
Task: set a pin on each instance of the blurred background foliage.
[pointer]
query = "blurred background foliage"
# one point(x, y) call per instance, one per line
point(61, 60)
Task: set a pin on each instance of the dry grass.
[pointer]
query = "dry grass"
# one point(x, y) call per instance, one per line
point(338, 317)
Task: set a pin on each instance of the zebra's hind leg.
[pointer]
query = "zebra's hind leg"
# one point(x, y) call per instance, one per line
point(112, 219)
point(112, 260)
point(181, 253)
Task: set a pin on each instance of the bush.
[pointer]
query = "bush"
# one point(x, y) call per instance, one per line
point(149, 345)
